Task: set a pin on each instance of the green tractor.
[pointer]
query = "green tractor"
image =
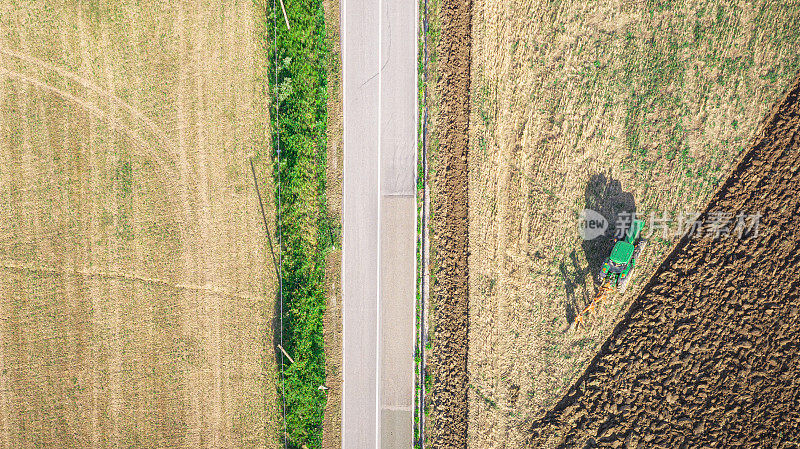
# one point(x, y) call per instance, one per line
point(618, 268)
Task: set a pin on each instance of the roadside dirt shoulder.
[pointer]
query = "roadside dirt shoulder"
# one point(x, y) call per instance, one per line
point(332, 325)
point(450, 229)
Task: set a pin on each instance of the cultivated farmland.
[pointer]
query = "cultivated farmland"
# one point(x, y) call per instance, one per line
point(708, 354)
point(612, 106)
point(137, 290)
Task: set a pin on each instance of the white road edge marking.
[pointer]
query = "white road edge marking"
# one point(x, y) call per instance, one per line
point(343, 43)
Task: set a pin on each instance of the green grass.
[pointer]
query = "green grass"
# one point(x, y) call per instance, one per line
point(427, 73)
point(301, 93)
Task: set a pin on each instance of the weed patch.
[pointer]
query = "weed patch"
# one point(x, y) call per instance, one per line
point(298, 83)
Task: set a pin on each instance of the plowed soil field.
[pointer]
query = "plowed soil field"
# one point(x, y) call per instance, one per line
point(136, 290)
point(709, 354)
point(449, 229)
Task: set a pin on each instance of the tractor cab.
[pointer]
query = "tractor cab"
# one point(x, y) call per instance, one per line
point(621, 254)
point(617, 268)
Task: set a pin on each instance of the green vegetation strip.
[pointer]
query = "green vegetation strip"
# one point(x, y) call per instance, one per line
point(300, 89)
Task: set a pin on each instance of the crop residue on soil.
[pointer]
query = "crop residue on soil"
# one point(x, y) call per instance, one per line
point(710, 351)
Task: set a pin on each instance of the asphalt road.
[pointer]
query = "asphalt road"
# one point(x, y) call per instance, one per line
point(379, 39)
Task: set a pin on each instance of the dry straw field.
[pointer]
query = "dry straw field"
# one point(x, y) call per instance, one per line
point(135, 293)
point(610, 105)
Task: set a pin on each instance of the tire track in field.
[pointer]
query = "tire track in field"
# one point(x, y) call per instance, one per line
point(124, 275)
point(86, 105)
point(169, 172)
point(89, 85)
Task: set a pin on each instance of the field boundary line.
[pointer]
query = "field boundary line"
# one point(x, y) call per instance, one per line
point(449, 300)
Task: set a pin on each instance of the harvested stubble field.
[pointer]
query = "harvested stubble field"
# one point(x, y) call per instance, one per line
point(709, 353)
point(612, 106)
point(136, 285)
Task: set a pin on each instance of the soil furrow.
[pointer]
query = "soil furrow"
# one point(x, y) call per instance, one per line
point(450, 230)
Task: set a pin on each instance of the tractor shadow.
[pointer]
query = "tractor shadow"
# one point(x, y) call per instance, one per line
point(604, 195)
point(574, 277)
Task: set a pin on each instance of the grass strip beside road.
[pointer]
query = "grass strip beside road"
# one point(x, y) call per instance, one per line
point(298, 83)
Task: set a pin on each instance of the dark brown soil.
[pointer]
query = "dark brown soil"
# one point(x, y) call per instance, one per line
point(449, 230)
point(709, 353)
